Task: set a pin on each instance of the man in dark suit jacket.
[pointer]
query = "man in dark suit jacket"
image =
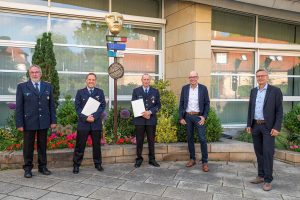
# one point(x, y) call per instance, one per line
point(264, 122)
point(193, 110)
point(35, 113)
point(88, 125)
point(147, 122)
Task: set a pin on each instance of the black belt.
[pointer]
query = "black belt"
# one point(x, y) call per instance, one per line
point(259, 121)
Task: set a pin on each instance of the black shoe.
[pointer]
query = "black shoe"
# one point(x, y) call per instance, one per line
point(28, 174)
point(99, 168)
point(75, 170)
point(138, 163)
point(44, 171)
point(154, 163)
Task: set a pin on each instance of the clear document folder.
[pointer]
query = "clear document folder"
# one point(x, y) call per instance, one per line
point(90, 107)
point(138, 107)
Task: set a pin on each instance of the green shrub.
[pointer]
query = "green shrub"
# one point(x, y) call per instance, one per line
point(66, 113)
point(245, 137)
point(165, 130)
point(213, 126)
point(167, 98)
point(291, 123)
point(125, 125)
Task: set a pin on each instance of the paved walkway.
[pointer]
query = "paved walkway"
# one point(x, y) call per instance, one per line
point(171, 181)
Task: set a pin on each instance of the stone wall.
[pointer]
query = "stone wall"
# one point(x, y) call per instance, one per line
point(226, 150)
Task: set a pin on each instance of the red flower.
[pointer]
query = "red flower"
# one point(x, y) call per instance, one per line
point(71, 146)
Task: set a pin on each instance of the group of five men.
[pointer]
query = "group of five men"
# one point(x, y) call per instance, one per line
point(35, 114)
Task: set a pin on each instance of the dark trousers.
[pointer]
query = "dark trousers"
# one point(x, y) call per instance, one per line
point(192, 123)
point(81, 139)
point(264, 149)
point(140, 135)
point(28, 148)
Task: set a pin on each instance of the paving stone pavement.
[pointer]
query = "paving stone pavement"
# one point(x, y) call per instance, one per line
point(224, 181)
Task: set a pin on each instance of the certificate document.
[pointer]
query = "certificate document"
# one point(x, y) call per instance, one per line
point(138, 107)
point(90, 107)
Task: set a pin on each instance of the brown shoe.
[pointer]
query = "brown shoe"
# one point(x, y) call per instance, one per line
point(267, 186)
point(205, 167)
point(257, 180)
point(191, 163)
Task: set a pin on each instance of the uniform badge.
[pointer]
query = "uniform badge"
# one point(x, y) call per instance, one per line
point(97, 97)
point(48, 97)
point(153, 99)
point(27, 94)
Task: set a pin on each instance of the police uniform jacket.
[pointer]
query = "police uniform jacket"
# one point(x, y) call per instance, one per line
point(80, 100)
point(35, 109)
point(151, 102)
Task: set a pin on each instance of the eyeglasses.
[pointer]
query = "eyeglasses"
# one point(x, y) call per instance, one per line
point(35, 72)
point(261, 76)
point(193, 76)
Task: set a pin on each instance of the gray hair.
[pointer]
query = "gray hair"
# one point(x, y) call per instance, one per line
point(37, 66)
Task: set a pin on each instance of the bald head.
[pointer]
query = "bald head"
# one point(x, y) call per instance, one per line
point(193, 77)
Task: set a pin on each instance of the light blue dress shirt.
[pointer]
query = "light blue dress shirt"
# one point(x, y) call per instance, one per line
point(259, 103)
point(39, 85)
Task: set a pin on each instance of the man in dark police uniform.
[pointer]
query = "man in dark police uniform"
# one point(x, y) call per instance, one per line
point(88, 125)
point(35, 113)
point(147, 122)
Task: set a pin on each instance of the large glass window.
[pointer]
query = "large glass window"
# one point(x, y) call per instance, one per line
point(284, 72)
point(275, 32)
point(140, 63)
point(141, 38)
point(82, 32)
point(147, 8)
point(15, 58)
point(21, 27)
point(231, 26)
point(127, 83)
point(81, 59)
point(232, 74)
point(82, 4)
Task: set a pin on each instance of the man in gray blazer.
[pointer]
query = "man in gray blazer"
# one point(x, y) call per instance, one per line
point(264, 122)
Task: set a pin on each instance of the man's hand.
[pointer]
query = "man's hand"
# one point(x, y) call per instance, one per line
point(202, 120)
point(21, 129)
point(146, 114)
point(90, 119)
point(274, 132)
point(182, 121)
point(53, 126)
point(248, 130)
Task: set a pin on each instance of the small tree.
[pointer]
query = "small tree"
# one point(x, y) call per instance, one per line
point(45, 58)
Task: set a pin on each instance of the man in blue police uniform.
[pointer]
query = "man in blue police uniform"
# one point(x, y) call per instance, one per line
point(147, 122)
point(265, 114)
point(35, 114)
point(88, 125)
point(193, 110)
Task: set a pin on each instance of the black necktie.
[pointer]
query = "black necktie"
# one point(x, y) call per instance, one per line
point(91, 91)
point(37, 87)
point(146, 90)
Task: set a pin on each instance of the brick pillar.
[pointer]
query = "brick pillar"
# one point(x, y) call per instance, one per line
point(188, 42)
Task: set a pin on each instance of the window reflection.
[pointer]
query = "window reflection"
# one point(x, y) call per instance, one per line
point(81, 59)
point(15, 58)
point(21, 27)
point(280, 65)
point(82, 4)
point(140, 63)
point(232, 61)
point(82, 32)
point(35, 2)
point(233, 27)
point(126, 84)
point(231, 87)
point(9, 82)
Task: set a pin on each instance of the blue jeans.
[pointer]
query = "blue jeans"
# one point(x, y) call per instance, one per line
point(264, 145)
point(192, 121)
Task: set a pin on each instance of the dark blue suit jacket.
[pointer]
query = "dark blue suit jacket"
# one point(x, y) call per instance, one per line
point(35, 110)
point(151, 102)
point(80, 100)
point(204, 102)
point(272, 110)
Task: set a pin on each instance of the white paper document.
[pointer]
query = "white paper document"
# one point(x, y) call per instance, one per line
point(90, 107)
point(138, 107)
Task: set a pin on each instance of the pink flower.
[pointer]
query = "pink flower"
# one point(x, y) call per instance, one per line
point(133, 140)
point(291, 147)
point(53, 136)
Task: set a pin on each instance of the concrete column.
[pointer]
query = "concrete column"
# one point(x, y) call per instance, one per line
point(188, 42)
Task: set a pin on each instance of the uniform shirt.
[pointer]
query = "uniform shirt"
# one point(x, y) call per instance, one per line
point(259, 103)
point(193, 103)
point(39, 84)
